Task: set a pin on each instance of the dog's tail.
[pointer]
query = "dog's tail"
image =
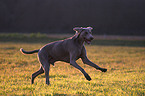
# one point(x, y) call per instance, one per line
point(28, 52)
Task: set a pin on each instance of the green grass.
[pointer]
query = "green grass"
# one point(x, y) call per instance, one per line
point(125, 75)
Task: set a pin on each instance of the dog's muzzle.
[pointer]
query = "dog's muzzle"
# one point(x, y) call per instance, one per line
point(88, 41)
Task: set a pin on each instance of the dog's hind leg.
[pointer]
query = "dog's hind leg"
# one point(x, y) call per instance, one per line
point(46, 66)
point(34, 75)
point(46, 70)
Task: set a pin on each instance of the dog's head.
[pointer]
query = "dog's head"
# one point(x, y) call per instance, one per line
point(84, 33)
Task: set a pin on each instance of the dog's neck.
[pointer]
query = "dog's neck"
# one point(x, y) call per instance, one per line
point(79, 40)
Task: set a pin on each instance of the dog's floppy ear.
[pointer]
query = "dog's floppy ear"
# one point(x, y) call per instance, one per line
point(78, 29)
point(90, 28)
point(77, 34)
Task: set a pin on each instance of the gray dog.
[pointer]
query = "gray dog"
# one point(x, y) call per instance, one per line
point(68, 50)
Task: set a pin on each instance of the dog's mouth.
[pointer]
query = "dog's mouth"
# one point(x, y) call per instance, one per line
point(87, 41)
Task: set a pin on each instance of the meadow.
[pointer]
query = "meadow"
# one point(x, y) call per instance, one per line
point(124, 59)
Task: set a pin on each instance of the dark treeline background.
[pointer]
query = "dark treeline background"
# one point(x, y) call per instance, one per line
point(109, 17)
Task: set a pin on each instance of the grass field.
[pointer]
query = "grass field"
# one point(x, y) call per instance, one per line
point(125, 61)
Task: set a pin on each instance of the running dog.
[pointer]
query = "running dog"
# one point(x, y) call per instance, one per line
point(68, 50)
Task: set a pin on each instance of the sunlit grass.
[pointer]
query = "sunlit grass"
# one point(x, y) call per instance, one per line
point(125, 75)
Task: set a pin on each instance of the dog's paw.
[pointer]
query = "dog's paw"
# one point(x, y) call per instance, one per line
point(48, 83)
point(104, 70)
point(88, 77)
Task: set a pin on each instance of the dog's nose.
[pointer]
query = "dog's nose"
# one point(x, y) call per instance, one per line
point(91, 38)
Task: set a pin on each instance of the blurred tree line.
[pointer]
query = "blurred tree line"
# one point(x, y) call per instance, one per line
point(107, 17)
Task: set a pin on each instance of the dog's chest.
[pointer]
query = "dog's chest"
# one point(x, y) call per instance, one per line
point(79, 53)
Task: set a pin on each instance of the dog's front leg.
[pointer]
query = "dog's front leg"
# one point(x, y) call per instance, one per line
point(81, 69)
point(88, 62)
